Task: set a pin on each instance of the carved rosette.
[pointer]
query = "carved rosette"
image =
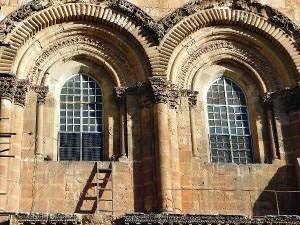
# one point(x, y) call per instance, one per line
point(7, 87)
point(20, 92)
point(42, 92)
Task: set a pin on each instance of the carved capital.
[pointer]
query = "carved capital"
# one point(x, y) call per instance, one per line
point(7, 87)
point(191, 95)
point(42, 92)
point(268, 99)
point(173, 97)
point(159, 87)
point(20, 92)
point(120, 93)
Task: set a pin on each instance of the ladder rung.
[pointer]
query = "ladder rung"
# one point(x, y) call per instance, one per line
point(4, 150)
point(4, 118)
point(7, 156)
point(7, 134)
point(105, 200)
point(107, 189)
point(103, 210)
point(104, 170)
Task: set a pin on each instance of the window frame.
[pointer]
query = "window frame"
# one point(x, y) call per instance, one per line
point(102, 132)
point(230, 135)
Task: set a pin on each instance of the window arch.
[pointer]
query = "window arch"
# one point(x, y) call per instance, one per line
point(81, 125)
point(229, 128)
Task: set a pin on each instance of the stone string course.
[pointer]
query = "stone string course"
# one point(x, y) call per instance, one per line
point(207, 219)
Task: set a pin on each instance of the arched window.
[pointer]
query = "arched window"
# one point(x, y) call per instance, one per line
point(229, 128)
point(81, 126)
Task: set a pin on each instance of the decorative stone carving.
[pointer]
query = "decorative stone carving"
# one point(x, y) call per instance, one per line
point(105, 50)
point(120, 93)
point(157, 30)
point(192, 96)
point(23, 12)
point(153, 28)
point(289, 96)
point(252, 6)
point(159, 87)
point(159, 90)
point(43, 218)
point(245, 55)
point(20, 92)
point(42, 92)
point(7, 87)
point(206, 219)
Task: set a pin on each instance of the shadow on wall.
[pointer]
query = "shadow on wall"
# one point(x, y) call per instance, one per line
point(88, 201)
point(280, 197)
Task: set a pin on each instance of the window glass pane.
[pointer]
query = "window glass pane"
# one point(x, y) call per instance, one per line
point(230, 136)
point(81, 126)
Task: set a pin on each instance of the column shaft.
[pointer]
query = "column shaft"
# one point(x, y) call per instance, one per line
point(163, 154)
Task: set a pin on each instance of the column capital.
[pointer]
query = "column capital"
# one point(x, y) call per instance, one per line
point(42, 92)
point(120, 93)
point(20, 92)
point(159, 87)
point(7, 87)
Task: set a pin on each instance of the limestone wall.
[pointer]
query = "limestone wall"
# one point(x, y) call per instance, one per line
point(70, 187)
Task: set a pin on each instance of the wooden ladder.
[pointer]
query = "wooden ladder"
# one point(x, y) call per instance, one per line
point(104, 176)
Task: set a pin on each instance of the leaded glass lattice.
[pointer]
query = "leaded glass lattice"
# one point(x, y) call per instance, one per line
point(229, 129)
point(81, 126)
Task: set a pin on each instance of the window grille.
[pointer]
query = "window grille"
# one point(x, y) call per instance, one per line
point(81, 126)
point(229, 128)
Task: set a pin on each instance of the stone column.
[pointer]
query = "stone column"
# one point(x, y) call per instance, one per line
point(192, 98)
point(159, 88)
point(39, 136)
point(14, 173)
point(174, 149)
point(7, 89)
point(121, 98)
point(270, 117)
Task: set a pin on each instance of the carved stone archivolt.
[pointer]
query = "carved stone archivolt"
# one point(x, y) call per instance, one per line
point(226, 48)
point(80, 43)
point(261, 18)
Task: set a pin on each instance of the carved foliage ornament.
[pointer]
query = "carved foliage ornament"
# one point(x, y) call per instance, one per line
point(207, 219)
point(42, 92)
point(160, 91)
point(157, 30)
point(7, 87)
point(290, 97)
point(20, 92)
point(15, 90)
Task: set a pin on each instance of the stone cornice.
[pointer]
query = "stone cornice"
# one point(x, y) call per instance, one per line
point(157, 29)
point(207, 219)
point(43, 218)
point(160, 90)
point(251, 6)
point(289, 96)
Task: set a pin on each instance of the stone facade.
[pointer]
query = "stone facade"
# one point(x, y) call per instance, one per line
point(155, 66)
